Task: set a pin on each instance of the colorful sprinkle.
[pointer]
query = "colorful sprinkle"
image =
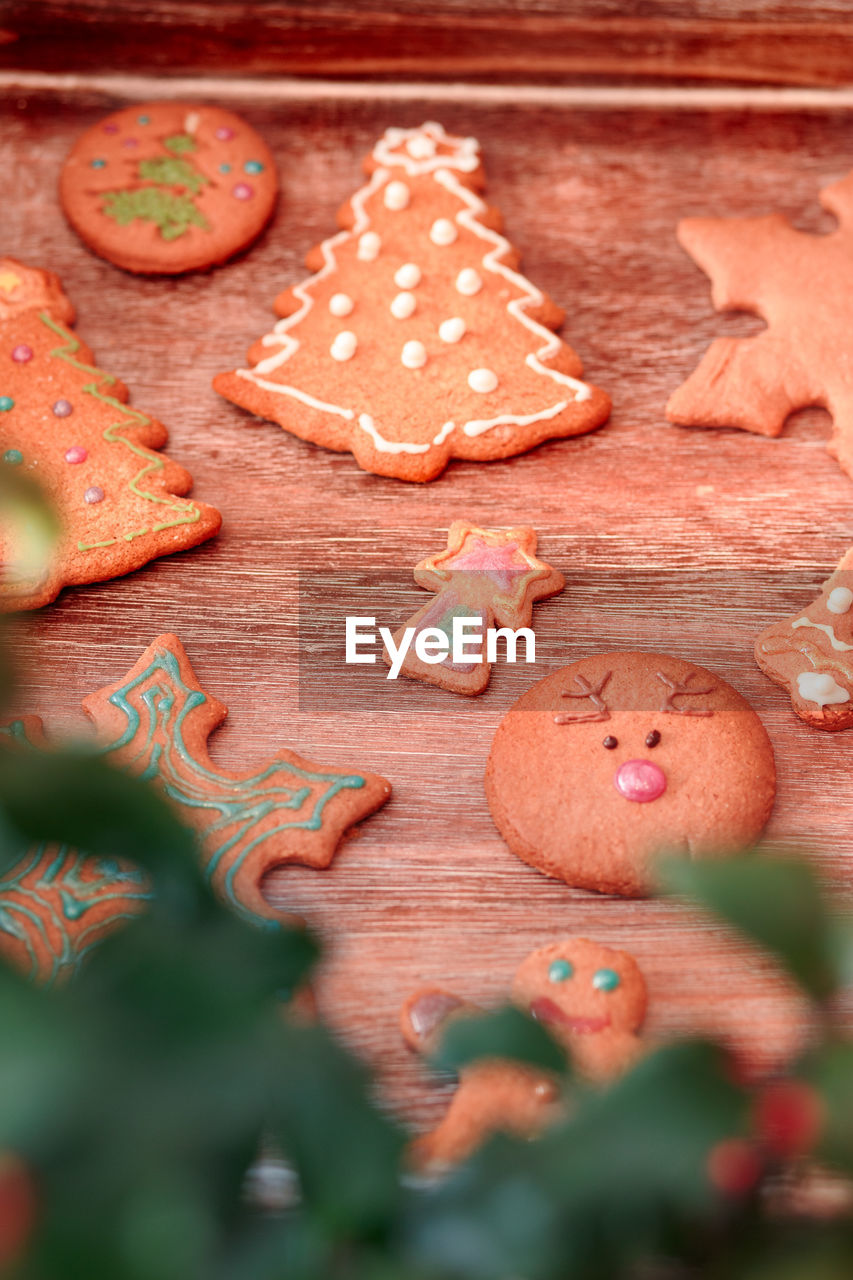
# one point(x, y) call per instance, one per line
point(94, 494)
point(224, 134)
point(243, 191)
point(76, 453)
point(143, 119)
point(130, 142)
point(110, 128)
point(22, 353)
point(225, 168)
point(253, 166)
point(13, 457)
point(98, 164)
point(6, 403)
point(63, 408)
point(606, 980)
point(559, 970)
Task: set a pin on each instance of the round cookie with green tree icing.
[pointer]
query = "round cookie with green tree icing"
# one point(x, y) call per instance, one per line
point(168, 186)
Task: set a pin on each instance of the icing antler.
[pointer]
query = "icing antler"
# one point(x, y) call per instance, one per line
point(586, 690)
point(677, 689)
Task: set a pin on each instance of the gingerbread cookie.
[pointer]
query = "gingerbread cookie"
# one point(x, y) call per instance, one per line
point(156, 722)
point(802, 285)
point(485, 576)
point(56, 904)
point(168, 186)
point(811, 654)
point(66, 423)
point(622, 756)
point(417, 340)
point(593, 1001)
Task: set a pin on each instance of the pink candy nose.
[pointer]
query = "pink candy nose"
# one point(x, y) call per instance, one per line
point(640, 780)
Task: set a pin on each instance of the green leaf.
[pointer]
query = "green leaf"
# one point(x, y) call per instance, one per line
point(776, 902)
point(503, 1033)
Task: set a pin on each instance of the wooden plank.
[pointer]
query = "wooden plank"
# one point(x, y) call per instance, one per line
point(685, 541)
point(764, 41)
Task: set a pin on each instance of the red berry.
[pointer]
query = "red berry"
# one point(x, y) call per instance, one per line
point(788, 1117)
point(734, 1166)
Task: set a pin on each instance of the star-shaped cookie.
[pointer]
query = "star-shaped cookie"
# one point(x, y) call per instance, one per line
point(802, 285)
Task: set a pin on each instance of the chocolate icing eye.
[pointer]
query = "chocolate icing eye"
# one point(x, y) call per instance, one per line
point(610, 742)
point(559, 971)
point(653, 738)
point(606, 980)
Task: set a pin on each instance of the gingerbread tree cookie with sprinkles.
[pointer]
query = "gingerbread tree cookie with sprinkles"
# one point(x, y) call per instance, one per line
point(417, 340)
point(66, 423)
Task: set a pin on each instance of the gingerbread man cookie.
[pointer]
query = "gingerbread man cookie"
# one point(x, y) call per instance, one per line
point(168, 186)
point(802, 285)
point(811, 654)
point(605, 764)
point(156, 722)
point(484, 576)
point(417, 340)
point(66, 423)
point(593, 1001)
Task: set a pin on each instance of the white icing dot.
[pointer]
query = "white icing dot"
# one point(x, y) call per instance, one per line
point(482, 380)
point(452, 330)
point(839, 600)
point(369, 245)
point(443, 231)
point(408, 276)
point(341, 304)
point(821, 688)
point(403, 306)
point(344, 345)
point(468, 282)
point(420, 147)
point(397, 195)
point(414, 355)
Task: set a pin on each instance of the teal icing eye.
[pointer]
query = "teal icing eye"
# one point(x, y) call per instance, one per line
point(559, 970)
point(606, 980)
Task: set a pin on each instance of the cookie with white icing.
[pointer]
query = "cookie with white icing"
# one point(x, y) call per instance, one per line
point(620, 757)
point(168, 186)
point(811, 654)
point(593, 1001)
point(417, 340)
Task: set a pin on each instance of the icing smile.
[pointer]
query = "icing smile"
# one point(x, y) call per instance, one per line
point(547, 1011)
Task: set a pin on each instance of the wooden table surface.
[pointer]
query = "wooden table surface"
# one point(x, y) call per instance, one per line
point(685, 541)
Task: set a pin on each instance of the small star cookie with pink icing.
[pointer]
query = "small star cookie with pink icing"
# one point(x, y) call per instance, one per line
point(482, 577)
point(620, 757)
point(417, 340)
point(593, 1001)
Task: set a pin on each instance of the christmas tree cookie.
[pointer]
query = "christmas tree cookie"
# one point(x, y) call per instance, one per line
point(802, 286)
point(168, 186)
point(593, 1001)
point(485, 576)
point(66, 423)
point(811, 654)
point(417, 340)
point(155, 722)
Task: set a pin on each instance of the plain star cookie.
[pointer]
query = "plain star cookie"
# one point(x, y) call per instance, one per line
point(417, 340)
point(66, 424)
point(619, 757)
point(168, 186)
point(156, 722)
point(484, 576)
point(811, 654)
point(802, 285)
point(593, 1001)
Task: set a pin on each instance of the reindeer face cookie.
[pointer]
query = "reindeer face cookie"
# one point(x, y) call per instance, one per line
point(619, 757)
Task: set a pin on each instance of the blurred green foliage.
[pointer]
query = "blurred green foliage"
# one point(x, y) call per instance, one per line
point(135, 1100)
